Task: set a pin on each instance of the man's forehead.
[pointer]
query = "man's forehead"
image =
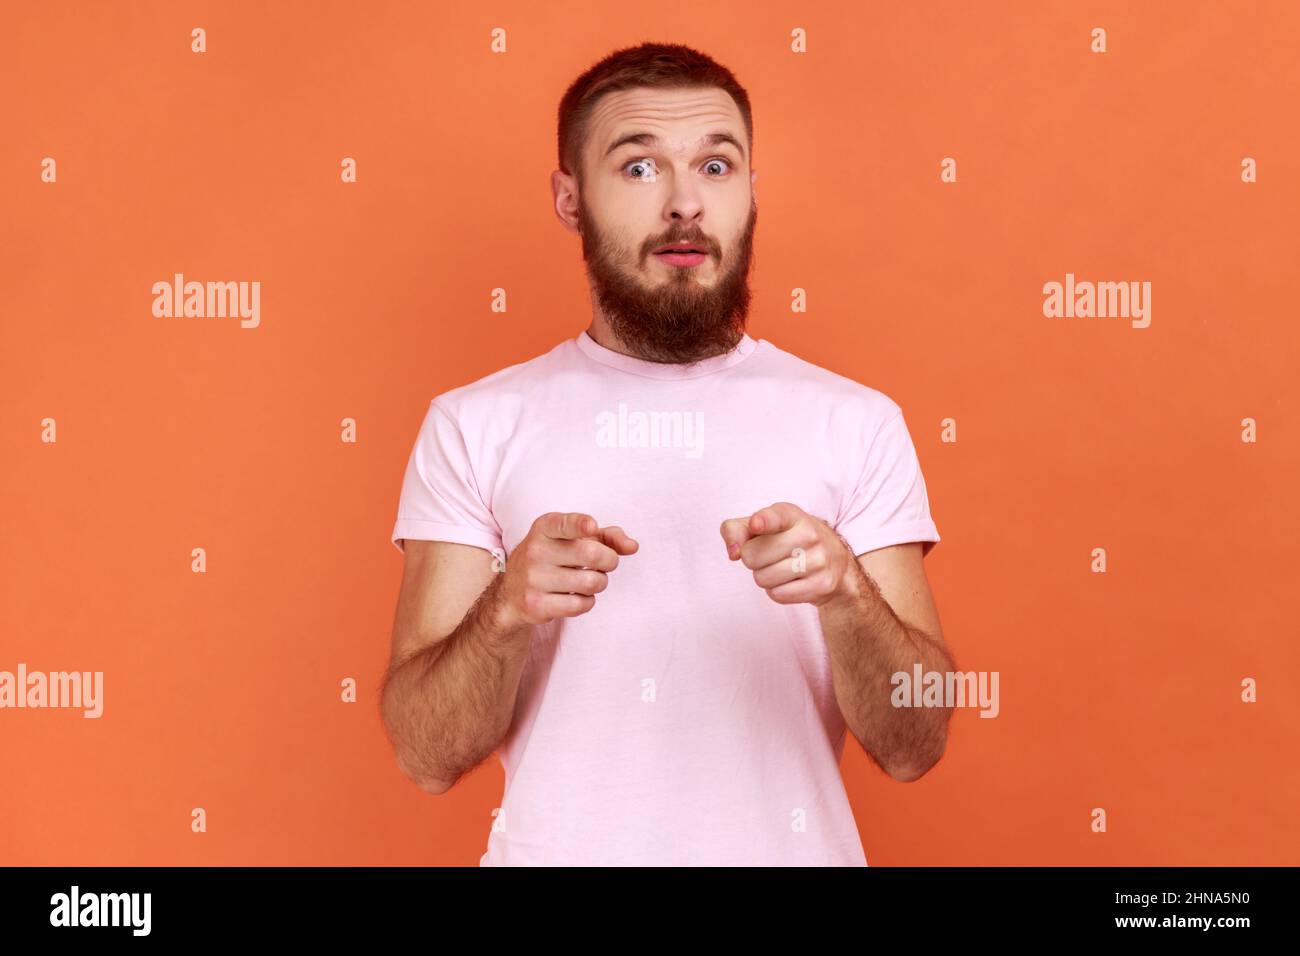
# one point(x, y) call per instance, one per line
point(690, 112)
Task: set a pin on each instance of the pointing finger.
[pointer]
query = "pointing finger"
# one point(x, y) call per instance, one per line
point(617, 538)
point(735, 532)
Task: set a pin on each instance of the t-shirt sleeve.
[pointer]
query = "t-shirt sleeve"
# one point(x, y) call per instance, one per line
point(889, 504)
point(441, 499)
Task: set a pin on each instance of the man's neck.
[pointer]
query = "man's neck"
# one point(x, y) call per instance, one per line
point(601, 332)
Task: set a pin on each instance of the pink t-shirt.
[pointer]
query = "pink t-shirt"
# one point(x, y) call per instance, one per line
point(687, 718)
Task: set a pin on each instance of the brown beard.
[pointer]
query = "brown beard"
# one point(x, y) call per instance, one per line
point(679, 321)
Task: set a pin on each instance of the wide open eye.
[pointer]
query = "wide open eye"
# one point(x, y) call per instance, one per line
point(721, 160)
point(649, 171)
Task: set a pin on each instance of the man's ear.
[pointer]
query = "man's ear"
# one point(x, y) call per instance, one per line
point(563, 188)
point(753, 178)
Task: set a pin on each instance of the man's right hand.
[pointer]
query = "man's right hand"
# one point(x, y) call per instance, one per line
point(558, 569)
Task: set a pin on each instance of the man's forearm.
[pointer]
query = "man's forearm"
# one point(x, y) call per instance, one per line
point(448, 706)
point(868, 644)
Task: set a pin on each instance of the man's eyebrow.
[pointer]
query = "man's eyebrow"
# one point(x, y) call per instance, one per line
point(649, 139)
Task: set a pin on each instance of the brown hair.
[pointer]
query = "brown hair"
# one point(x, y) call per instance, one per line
point(662, 65)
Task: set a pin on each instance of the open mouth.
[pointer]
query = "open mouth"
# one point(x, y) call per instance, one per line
point(681, 250)
point(684, 258)
point(684, 255)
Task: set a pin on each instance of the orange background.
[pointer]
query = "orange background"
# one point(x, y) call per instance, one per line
point(1118, 690)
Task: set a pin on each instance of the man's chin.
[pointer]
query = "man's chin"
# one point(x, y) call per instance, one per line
point(671, 319)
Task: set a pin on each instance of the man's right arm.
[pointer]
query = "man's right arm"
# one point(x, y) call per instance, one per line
point(448, 695)
point(462, 633)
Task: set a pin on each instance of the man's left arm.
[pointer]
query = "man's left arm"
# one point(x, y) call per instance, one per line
point(878, 617)
point(882, 623)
